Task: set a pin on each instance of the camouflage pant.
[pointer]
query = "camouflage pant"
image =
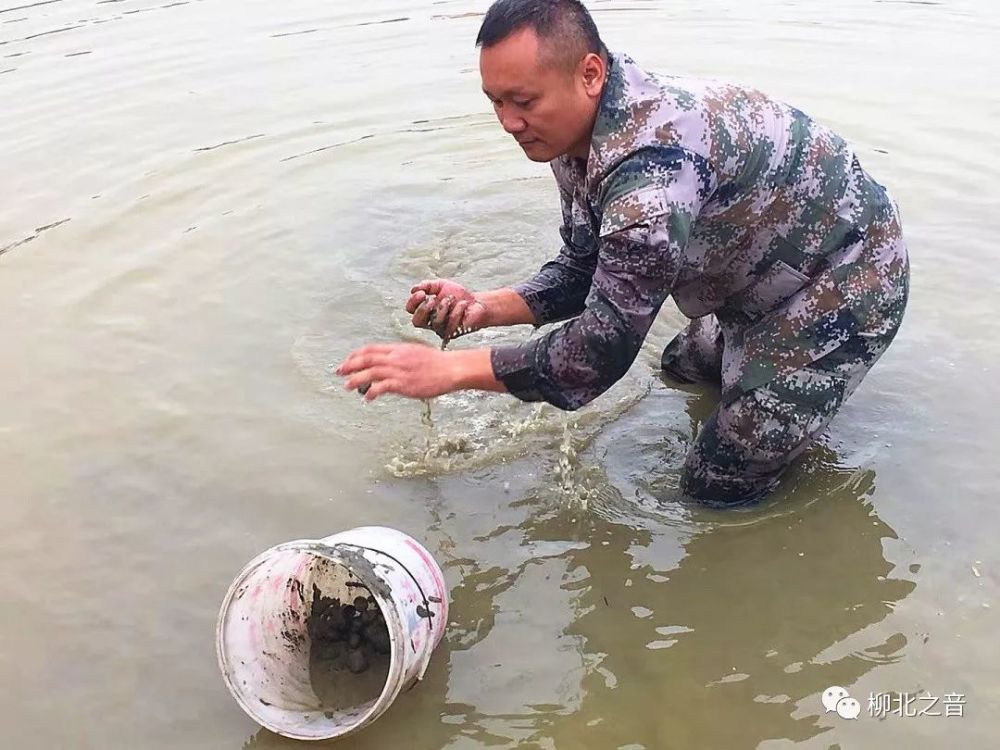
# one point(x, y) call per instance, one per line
point(741, 451)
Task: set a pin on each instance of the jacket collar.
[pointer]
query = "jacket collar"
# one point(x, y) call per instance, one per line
point(615, 127)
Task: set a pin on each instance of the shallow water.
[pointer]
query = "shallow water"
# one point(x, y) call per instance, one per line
point(207, 204)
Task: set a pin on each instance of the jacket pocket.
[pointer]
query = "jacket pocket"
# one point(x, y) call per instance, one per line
point(636, 208)
point(779, 282)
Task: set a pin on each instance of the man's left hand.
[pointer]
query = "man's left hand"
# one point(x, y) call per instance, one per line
point(411, 370)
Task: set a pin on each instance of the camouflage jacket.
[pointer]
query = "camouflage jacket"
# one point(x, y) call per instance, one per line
point(733, 203)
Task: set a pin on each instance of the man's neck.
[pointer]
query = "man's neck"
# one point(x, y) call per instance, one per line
point(581, 149)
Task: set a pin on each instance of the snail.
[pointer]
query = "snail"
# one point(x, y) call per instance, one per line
point(445, 339)
point(356, 660)
point(379, 640)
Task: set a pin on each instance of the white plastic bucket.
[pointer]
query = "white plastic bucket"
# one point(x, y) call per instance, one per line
point(264, 646)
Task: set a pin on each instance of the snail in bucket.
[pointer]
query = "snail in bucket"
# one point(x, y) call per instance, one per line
point(349, 634)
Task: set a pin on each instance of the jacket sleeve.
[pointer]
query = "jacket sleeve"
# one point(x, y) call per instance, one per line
point(649, 204)
point(559, 289)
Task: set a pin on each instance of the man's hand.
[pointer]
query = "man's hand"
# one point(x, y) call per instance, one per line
point(412, 370)
point(417, 371)
point(444, 307)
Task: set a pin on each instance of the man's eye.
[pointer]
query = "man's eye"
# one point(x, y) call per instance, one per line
point(524, 103)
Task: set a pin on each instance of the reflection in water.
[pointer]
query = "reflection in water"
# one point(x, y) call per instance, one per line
point(564, 622)
point(740, 628)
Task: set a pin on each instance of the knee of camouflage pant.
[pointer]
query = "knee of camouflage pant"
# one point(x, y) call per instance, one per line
point(695, 354)
point(718, 473)
point(745, 446)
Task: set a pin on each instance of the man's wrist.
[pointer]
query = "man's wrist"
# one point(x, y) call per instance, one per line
point(489, 316)
point(484, 299)
point(505, 307)
point(472, 369)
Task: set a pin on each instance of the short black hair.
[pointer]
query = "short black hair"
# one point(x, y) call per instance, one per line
point(566, 25)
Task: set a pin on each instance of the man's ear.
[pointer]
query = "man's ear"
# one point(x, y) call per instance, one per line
point(593, 71)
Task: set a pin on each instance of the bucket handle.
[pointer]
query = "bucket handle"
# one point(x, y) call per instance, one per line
point(426, 605)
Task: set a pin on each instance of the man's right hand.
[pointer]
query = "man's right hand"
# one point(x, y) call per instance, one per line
point(445, 306)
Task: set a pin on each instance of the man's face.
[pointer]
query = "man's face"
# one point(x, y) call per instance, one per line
point(547, 108)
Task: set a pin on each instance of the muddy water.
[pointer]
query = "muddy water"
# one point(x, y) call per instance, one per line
point(206, 204)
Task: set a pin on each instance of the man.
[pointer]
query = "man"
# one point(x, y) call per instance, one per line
point(760, 223)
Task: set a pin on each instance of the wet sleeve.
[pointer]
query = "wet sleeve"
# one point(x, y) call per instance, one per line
point(559, 289)
point(649, 205)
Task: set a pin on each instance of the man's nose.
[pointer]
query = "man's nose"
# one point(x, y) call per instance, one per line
point(512, 123)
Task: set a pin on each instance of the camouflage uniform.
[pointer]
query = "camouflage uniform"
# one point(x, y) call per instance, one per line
point(760, 222)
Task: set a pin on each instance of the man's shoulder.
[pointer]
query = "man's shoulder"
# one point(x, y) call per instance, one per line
point(644, 110)
point(633, 84)
point(650, 115)
point(639, 81)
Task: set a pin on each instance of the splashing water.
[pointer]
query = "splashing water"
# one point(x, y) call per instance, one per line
point(468, 437)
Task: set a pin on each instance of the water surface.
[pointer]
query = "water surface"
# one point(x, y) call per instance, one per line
point(207, 204)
